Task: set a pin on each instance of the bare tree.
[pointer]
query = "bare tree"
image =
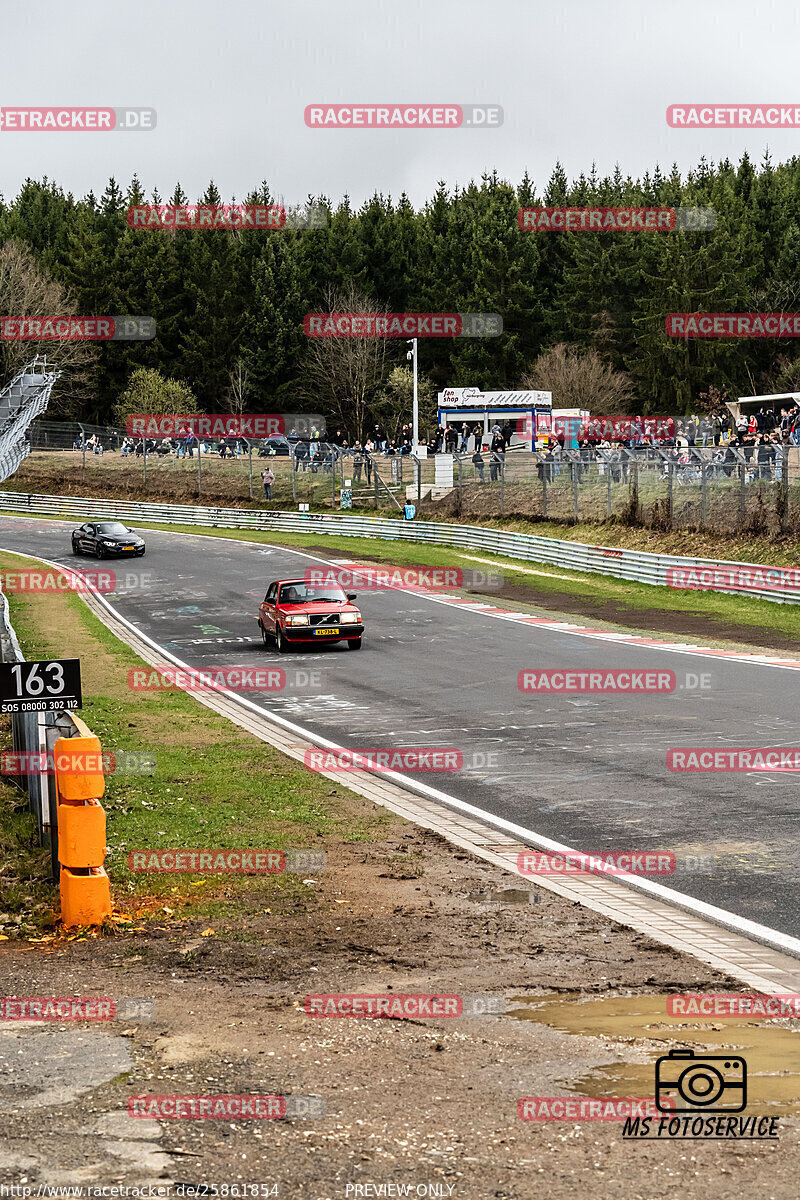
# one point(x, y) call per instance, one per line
point(580, 378)
point(26, 291)
point(343, 373)
point(395, 399)
point(236, 392)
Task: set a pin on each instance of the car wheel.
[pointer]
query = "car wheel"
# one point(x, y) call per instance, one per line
point(101, 551)
point(354, 644)
point(280, 641)
point(75, 547)
point(264, 634)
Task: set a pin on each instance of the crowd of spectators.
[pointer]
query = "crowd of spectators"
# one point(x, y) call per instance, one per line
point(756, 438)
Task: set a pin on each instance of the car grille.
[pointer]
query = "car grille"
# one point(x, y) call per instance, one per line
point(324, 619)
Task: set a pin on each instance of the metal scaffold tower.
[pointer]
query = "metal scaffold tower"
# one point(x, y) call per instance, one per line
point(23, 400)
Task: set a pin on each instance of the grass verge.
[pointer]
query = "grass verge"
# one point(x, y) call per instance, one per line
point(214, 785)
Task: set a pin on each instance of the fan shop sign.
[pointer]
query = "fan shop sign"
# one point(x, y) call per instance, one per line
point(469, 397)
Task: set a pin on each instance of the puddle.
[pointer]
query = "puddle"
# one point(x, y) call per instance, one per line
point(505, 896)
point(638, 1026)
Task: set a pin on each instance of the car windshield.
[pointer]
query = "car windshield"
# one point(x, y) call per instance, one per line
point(112, 527)
point(306, 593)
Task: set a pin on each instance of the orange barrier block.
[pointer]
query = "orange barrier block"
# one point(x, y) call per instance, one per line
point(85, 896)
point(80, 783)
point(79, 769)
point(81, 834)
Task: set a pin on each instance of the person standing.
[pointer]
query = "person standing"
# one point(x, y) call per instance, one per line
point(267, 478)
point(369, 450)
point(477, 462)
point(301, 454)
point(742, 425)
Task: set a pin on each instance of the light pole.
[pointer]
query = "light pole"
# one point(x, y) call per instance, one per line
point(412, 354)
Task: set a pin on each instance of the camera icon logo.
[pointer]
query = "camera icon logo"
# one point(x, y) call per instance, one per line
point(711, 1082)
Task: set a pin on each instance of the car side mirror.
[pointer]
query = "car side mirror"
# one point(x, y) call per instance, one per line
point(351, 595)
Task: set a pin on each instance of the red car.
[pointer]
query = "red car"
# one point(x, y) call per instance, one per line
point(294, 612)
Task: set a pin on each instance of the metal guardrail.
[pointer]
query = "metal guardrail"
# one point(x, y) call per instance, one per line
point(635, 565)
point(37, 733)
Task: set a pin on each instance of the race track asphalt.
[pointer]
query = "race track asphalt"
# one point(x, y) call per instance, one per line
point(586, 770)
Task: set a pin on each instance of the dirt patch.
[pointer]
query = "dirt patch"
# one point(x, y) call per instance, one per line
point(408, 1101)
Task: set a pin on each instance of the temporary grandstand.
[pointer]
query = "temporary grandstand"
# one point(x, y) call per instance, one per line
point(23, 400)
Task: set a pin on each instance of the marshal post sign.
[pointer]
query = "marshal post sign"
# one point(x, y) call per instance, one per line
point(33, 687)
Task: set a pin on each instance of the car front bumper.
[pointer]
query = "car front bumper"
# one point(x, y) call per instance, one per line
point(305, 633)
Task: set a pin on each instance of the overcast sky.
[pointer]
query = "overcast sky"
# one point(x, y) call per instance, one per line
point(578, 80)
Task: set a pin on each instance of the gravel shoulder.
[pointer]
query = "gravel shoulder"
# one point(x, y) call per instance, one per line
point(418, 1102)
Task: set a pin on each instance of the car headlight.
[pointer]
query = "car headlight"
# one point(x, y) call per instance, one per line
point(302, 619)
point(106, 542)
point(351, 618)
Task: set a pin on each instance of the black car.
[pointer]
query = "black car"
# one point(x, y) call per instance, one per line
point(106, 538)
point(278, 445)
